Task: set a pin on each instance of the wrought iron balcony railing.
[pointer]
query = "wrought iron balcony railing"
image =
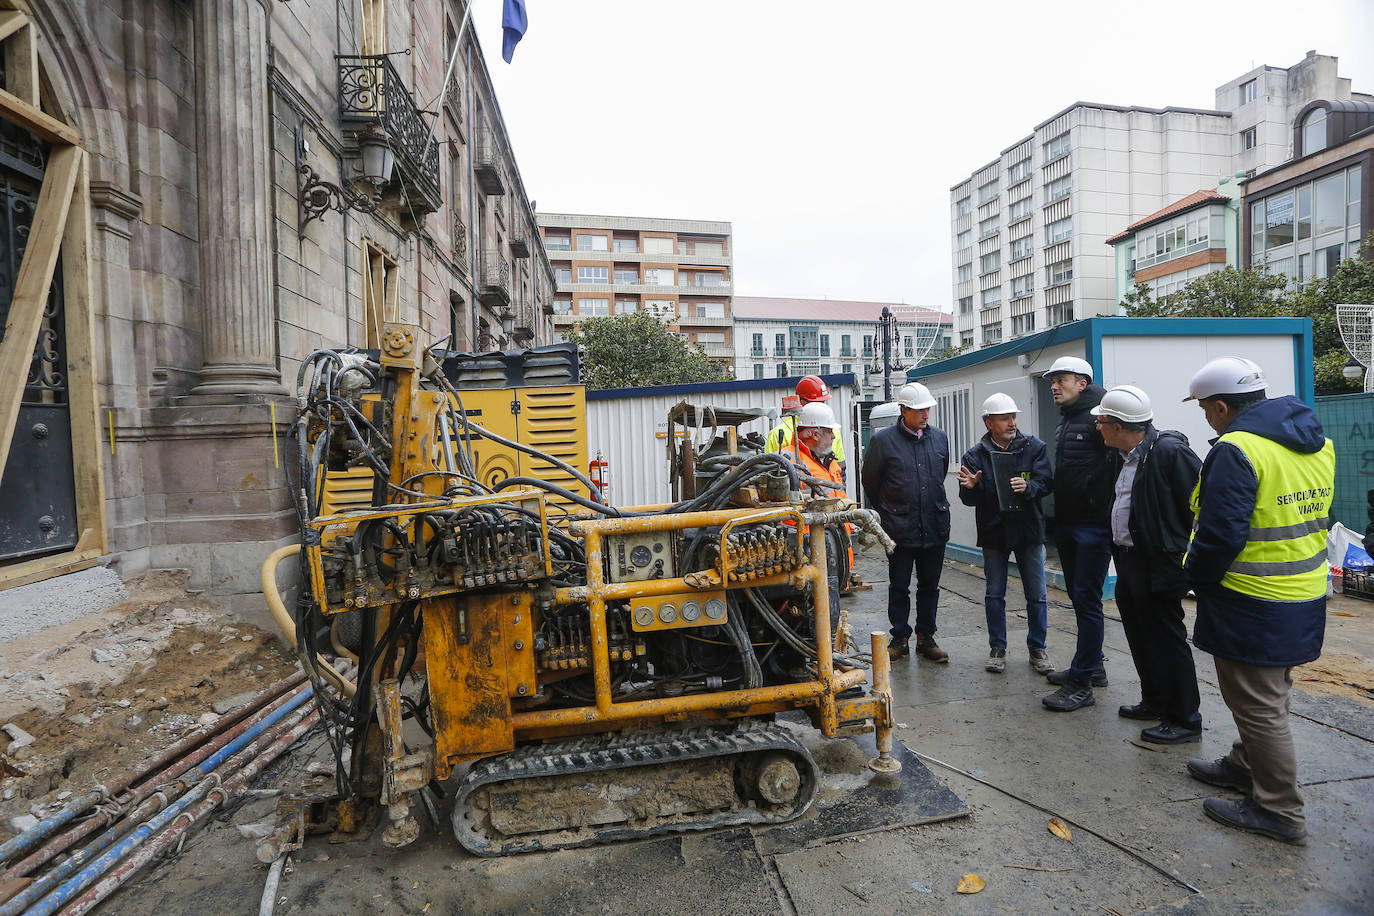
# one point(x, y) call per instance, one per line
point(486, 162)
point(494, 288)
point(371, 91)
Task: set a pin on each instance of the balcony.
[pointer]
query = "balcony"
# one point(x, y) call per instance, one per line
point(520, 244)
point(758, 352)
point(494, 288)
point(486, 163)
point(371, 91)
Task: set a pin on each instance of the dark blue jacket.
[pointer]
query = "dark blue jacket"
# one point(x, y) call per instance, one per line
point(1007, 530)
point(904, 477)
point(1082, 479)
point(1242, 628)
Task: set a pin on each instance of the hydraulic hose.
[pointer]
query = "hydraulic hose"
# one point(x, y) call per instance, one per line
point(287, 626)
point(867, 519)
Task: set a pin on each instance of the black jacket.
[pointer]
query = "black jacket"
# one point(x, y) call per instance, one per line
point(1161, 505)
point(904, 478)
point(1082, 479)
point(1026, 525)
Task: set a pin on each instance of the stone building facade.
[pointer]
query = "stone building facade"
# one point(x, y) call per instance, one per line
point(231, 236)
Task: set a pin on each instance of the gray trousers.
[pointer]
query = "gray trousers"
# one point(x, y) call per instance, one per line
point(1258, 700)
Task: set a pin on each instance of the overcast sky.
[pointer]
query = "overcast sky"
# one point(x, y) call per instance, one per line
point(829, 133)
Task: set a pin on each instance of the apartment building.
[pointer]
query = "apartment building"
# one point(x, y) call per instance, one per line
point(1177, 244)
point(1030, 229)
point(1265, 102)
point(779, 337)
point(678, 269)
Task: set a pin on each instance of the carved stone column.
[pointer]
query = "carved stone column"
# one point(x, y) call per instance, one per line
point(234, 186)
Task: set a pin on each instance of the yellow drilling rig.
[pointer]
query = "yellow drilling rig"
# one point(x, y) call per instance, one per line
point(567, 672)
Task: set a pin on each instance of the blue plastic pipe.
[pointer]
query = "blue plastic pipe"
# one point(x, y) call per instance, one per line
point(75, 885)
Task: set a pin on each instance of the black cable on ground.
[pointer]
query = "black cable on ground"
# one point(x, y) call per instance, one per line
point(1050, 811)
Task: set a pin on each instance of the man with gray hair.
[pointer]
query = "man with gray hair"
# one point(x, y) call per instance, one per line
point(1154, 472)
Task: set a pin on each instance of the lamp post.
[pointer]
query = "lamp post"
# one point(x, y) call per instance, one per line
point(887, 331)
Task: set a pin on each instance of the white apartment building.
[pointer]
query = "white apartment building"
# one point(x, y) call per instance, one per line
point(1029, 229)
point(780, 337)
point(1264, 102)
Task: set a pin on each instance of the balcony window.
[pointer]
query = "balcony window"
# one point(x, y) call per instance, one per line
point(558, 242)
point(1022, 248)
point(1022, 324)
point(1019, 172)
point(562, 274)
point(990, 262)
point(756, 349)
point(664, 309)
point(626, 306)
point(1019, 211)
point(987, 192)
point(1057, 148)
point(846, 347)
point(593, 306)
point(964, 239)
point(1058, 272)
point(992, 297)
point(1021, 286)
point(988, 227)
point(965, 273)
point(592, 274)
point(966, 305)
point(992, 333)
point(1058, 189)
point(628, 246)
point(659, 276)
point(710, 309)
point(1059, 230)
point(779, 343)
point(963, 207)
point(626, 275)
point(591, 243)
point(825, 345)
point(868, 345)
point(658, 245)
point(562, 306)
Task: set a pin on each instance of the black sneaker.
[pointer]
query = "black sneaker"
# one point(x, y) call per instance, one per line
point(1219, 772)
point(1072, 695)
point(1169, 733)
point(1060, 678)
point(1244, 814)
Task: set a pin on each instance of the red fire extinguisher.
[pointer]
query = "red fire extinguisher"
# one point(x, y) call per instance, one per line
point(599, 470)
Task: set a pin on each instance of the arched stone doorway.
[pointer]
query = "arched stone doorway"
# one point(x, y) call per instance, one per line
point(52, 503)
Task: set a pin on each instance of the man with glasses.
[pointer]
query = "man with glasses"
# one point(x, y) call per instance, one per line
point(1154, 472)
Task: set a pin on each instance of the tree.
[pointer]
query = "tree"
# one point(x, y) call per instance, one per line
point(1351, 281)
point(1227, 293)
point(625, 351)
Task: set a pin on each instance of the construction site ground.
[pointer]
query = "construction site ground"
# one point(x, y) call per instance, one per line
point(102, 691)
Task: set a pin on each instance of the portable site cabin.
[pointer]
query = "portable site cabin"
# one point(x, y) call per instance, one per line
point(1159, 355)
point(629, 426)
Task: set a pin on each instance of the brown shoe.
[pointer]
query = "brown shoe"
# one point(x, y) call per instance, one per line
point(898, 648)
point(926, 645)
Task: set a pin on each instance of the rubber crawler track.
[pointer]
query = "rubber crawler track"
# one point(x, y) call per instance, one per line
point(607, 754)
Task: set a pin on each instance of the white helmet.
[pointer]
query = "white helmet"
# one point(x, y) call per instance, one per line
point(1070, 364)
point(915, 397)
point(1227, 375)
point(1127, 403)
point(817, 414)
point(999, 403)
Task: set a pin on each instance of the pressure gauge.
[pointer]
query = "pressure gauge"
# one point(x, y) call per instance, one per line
point(715, 609)
point(640, 555)
point(644, 615)
point(691, 611)
point(667, 614)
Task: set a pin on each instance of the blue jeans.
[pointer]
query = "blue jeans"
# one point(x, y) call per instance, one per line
point(928, 562)
point(1030, 559)
point(1084, 553)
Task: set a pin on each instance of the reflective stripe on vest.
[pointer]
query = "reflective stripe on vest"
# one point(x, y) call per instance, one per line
point(1284, 558)
point(780, 438)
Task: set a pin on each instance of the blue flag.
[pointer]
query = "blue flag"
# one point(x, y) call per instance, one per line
point(513, 26)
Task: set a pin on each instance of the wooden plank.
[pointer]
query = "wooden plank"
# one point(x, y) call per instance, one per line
point(11, 21)
point(47, 567)
point(21, 64)
point(18, 111)
point(32, 284)
point(83, 394)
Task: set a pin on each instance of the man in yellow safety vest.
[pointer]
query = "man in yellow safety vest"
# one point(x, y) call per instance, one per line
point(810, 390)
point(1257, 562)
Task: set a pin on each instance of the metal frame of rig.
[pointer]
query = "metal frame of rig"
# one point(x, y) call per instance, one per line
point(582, 672)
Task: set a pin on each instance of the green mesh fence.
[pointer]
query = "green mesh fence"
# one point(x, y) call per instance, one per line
point(1348, 420)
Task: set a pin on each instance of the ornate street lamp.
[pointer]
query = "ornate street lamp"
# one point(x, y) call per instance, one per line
point(317, 196)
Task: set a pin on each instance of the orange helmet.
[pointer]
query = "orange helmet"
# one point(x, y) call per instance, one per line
point(811, 388)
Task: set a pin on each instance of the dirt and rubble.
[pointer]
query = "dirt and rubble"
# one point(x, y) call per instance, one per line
point(99, 694)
